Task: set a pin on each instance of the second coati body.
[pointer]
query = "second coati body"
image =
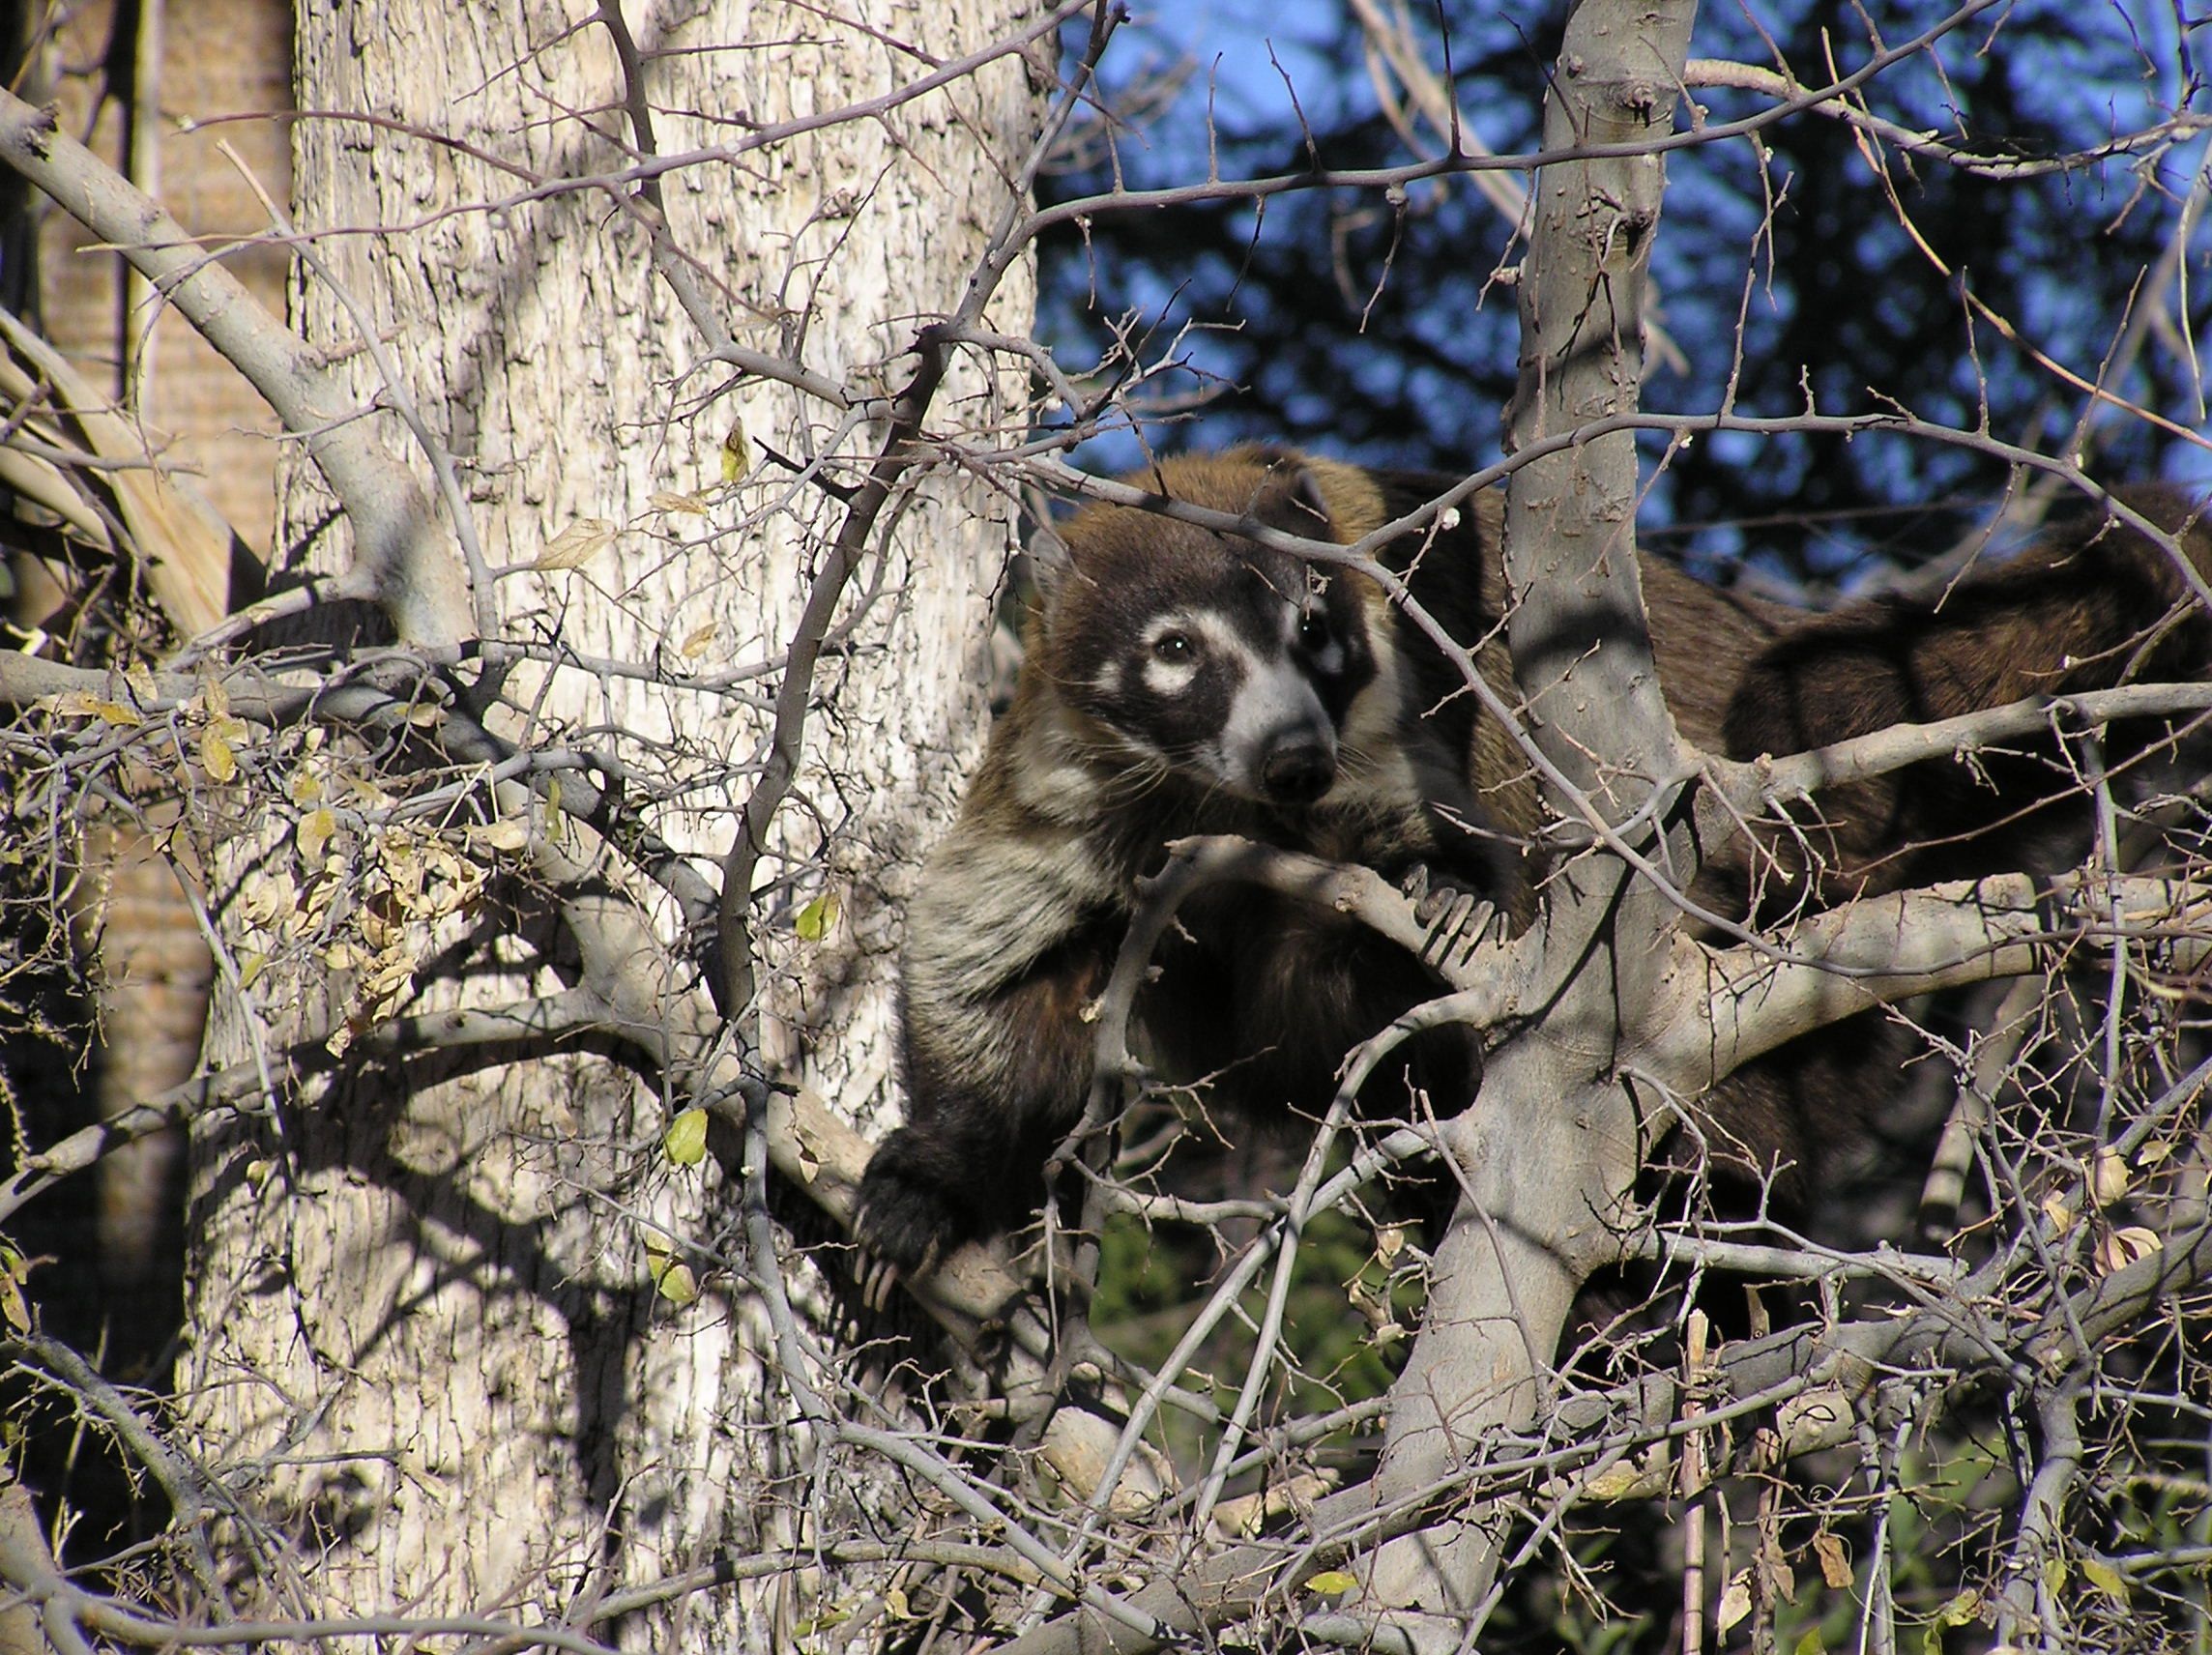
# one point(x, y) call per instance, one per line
point(1181, 681)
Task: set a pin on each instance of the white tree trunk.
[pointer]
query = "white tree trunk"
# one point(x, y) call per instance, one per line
point(426, 1292)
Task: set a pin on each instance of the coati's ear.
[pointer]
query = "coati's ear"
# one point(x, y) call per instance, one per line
point(1292, 494)
point(1049, 557)
point(1307, 500)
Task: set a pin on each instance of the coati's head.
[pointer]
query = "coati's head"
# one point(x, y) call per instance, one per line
point(1203, 656)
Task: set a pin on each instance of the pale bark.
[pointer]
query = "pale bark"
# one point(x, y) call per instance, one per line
point(1550, 1149)
point(437, 1307)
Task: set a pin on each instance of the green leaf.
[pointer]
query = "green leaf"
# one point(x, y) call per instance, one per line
point(1330, 1581)
point(817, 916)
point(685, 1139)
point(2107, 1580)
point(1812, 1644)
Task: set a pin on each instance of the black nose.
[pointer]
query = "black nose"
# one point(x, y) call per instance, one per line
point(1297, 770)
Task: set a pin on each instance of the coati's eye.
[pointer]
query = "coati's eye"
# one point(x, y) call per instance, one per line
point(1173, 647)
point(1313, 629)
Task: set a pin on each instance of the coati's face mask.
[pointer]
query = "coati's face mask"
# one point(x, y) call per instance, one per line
point(1228, 665)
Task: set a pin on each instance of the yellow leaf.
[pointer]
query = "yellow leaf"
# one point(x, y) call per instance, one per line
point(816, 917)
point(305, 789)
point(1735, 1601)
point(314, 833)
point(15, 1309)
point(251, 961)
point(576, 545)
point(1330, 1581)
point(895, 1605)
point(737, 453)
point(424, 716)
point(2059, 1212)
point(690, 505)
point(1617, 1481)
point(115, 712)
point(2106, 1579)
point(1811, 1644)
point(216, 756)
point(685, 1139)
point(677, 1285)
point(698, 641)
point(1835, 1561)
point(1965, 1607)
point(215, 699)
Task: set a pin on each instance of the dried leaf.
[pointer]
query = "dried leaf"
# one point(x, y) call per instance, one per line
point(2059, 1211)
point(690, 505)
point(2108, 1176)
point(685, 1139)
point(1736, 1600)
point(216, 756)
point(2124, 1246)
point(305, 789)
point(698, 641)
point(737, 453)
point(507, 834)
point(576, 545)
point(1835, 1561)
point(314, 833)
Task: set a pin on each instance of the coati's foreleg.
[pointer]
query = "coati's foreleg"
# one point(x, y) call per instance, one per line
point(994, 1083)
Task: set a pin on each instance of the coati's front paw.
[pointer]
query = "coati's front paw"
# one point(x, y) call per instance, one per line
point(906, 1223)
point(1454, 923)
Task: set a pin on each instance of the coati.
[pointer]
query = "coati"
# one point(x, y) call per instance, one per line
point(1181, 681)
point(1178, 682)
